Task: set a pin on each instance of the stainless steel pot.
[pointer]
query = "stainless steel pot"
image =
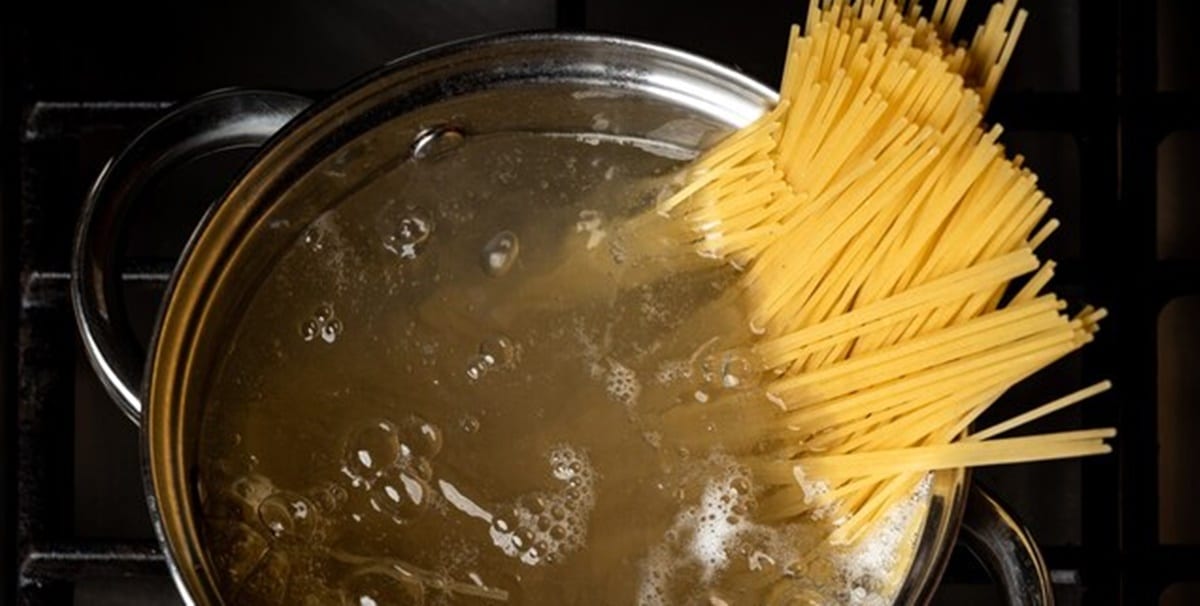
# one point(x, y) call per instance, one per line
point(311, 157)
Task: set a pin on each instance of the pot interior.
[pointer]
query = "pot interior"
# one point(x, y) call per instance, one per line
point(396, 225)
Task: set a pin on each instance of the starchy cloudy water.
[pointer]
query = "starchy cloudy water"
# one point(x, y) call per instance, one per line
point(451, 389)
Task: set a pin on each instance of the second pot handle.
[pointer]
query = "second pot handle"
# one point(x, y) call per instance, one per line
point(1006, 549)
point(219, 121)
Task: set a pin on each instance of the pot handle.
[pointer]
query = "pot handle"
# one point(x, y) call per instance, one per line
point(218, 121)
point(1006, 549)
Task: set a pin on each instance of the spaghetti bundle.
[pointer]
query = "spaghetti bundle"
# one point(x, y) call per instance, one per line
point(879, 224)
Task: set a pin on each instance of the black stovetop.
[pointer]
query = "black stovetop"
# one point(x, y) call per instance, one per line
point(1100, 98)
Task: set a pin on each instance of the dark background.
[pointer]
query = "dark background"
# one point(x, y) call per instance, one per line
point(1102, 97)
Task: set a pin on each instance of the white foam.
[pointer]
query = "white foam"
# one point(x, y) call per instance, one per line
point(872, 562)
point(813, 490)
point(653, 438)
point(708, 533)
point(656, 572)
point(714, 532)
point(568, 511)
point(589, 350)
point(672, 371)
point(623, 385)
point(704, 534)
point(652, 309)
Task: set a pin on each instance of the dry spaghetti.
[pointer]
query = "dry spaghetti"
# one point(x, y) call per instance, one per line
point(879, 224)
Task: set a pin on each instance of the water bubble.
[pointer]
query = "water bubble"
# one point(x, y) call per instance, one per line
point(251, 489)
point(309, 330)
point(409, 234)
point(478, 366)
point(372, 448)
point(288, 516)
point(323, 314)
point(500, 350)
point(433, 438)
point(419, 439)
point(500, 253)
point(314, 239)
point(328, 498)
point(435, 141)
point(739, 370)
point(534, 504)
point(323, 323)
point(469, 423)
point(740, 485)
point(532, 556)
point(415, 227)
point(440, 583)
point(404, 500)
point(623, 385)
point(330, 332)
point(562, 471)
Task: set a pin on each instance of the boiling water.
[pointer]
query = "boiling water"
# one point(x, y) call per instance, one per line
point(450, 391)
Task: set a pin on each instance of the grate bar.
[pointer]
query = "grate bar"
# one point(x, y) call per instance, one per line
point(71, 562)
